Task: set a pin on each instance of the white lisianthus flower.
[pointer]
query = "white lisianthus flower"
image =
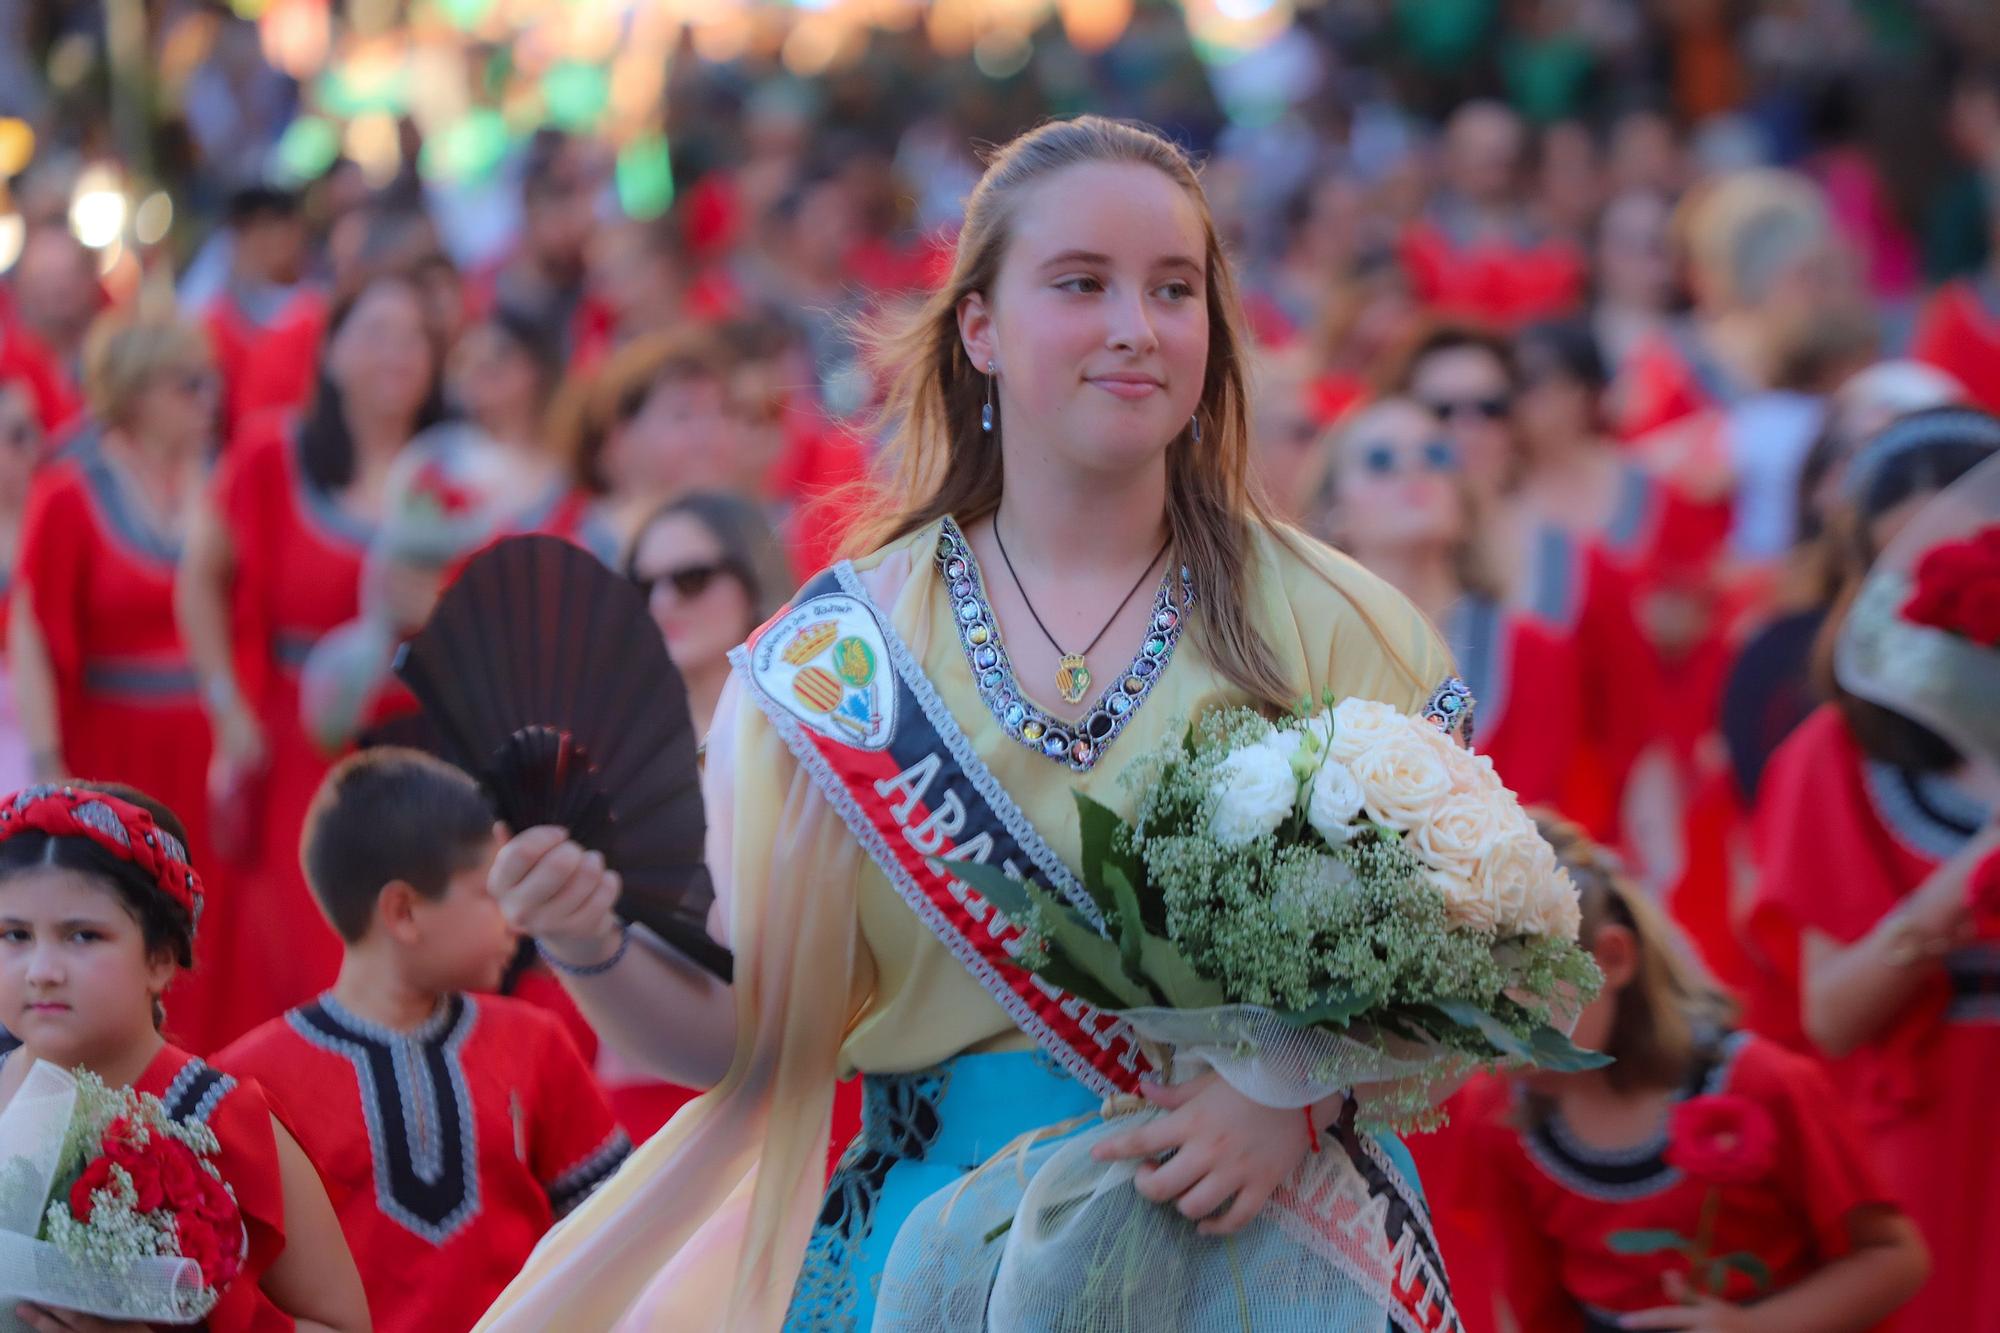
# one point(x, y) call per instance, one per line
point(1254, 791)
point(1402, 778)
point(1461, 832)
point(1361, 724)
point(1333, 802)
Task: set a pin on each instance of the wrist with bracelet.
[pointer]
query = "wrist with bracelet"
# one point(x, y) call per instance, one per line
point(596, 969)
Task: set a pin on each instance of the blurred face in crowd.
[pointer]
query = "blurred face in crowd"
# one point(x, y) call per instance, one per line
point(175, 412)
point(1394, 484)
point(635, 276)
point(1097, 318)
point(1554, 408)
point(1483, 152)
point(495, 380)
point(559, 213)
point(1635, 265)
point(1646, 154)
point(827, 227)
point(55, 283)
point(383, 359)
point(20, 446)
point(1471, 402)
point(1571, 182)
point(678, 441)
point(1283, 436)
point(1332, 234)
point(697, 600)
point(274, 249)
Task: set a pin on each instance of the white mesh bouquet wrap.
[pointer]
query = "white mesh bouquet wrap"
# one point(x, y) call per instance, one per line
point(146, 1288)
point(1343, 902)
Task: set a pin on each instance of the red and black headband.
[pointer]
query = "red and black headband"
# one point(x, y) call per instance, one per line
point(125, 830)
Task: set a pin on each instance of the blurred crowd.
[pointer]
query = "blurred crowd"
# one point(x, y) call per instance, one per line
point(1569, 317)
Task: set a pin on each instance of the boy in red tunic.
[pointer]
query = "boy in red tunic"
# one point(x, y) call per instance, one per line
point(452, 1130)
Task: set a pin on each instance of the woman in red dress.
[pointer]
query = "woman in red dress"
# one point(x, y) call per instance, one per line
point(1869, 829)
point(1558, 1165)
point(105, 687)
point(1395, 500)
point(274, 562)
point(20, 451)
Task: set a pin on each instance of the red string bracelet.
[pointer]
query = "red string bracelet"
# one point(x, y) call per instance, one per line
point(1312, 1130)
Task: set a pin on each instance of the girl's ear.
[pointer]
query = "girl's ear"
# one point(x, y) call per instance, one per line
point(161, 968)
point(975, 330)
point(1616, 950)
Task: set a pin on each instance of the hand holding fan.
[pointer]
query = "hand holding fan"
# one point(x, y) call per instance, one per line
point(549, 682)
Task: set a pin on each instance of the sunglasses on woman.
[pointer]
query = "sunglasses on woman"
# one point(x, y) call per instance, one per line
point(1385, 460)
point(1447, 410)
point(687, 581)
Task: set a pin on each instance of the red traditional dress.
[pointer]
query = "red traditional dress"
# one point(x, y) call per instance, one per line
point(814, 478)
point(1960, 335)
point(240, 1115)
point(1551, 1200)
point(100, 579)
point(298, 573)
point(1843, 839)
point(1507, 280)
point(26, 360)
point(1527, 677)
point(448, 1151)
point(1670, 375)
point(266, 350)
point(574, 515)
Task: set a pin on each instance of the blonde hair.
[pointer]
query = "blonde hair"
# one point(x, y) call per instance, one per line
point(124, 353)
point(1669, 1005)
point(939, 462)
point(1740, 231)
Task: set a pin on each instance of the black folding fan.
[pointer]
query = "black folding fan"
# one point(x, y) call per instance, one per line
point(548, 681)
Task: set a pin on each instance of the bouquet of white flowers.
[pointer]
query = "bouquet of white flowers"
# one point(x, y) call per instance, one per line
point(1341, 901)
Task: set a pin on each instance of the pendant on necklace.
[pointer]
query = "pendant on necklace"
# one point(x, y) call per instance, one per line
point(1072, 678)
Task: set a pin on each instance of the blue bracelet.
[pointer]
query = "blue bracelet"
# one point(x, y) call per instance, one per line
point(592, 969)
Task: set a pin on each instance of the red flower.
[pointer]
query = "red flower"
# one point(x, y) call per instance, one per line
point(1722, 1140)
point(1958, 588)
point(95, 1177)
point(143, 1165)
point(1979, 612)
point(180, 1173)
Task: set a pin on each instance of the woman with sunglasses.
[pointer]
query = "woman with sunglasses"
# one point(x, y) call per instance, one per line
point(20, 452)
point(102, 676)
point(1470, 384)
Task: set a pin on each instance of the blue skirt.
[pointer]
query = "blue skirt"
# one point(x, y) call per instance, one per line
point(920, 1133)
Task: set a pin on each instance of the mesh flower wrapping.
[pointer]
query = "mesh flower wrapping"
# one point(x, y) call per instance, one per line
point(1346, 895)
point(111, 1207)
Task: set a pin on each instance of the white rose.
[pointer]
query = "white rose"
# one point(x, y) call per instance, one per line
point(1460, 833)
point(1254, 791)
point(1553, 908)
point(1334, 802)
point(1402, 780)
point(1362, 724)
point(1510, 874)
point(1471, 772)
point(1466, 902)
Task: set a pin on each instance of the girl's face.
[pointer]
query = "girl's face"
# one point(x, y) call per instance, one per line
point(700, 605)
point(1097, 320)
point(176, 409)
point(76, 983)
point(495, 380)
point(1555, 407)
point(1396, 483)
point(680, 440)
point(383, 357)
point(1467, 393)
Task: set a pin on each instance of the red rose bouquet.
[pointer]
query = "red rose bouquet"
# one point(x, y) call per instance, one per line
point(111, 1207)
point(1958, 588)
point(1719, 1141)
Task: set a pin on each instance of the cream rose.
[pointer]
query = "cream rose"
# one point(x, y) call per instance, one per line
point(1461, 831)
point(1254, 791)
point(1510, 874)
point(1362, 724)
point(1471, 772)
point(1466, 902)
point(1333, 802)
point(1553, 907)
point(1402, 779)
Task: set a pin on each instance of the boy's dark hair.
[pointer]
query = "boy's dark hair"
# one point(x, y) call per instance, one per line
point(384, 815)
point(164, 925)
point(261, 203)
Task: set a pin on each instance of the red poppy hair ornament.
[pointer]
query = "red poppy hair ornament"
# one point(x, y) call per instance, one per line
point(125, 830)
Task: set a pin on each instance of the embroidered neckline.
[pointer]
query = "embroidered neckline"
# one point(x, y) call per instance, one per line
point(122, 514)
point(1622, 1174)
point(1926, 812)
point(1075, 745)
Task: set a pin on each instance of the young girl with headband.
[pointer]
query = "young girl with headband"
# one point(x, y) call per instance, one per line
point(98, 907)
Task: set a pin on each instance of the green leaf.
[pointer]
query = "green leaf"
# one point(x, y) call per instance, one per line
point(1070, 937)
point(1651, 1241)
point(1126, 921)
point(1332, 1007)
point(1546, 1047)
point(1554, 1051)
point(1750, 1266)
point(1099, 825)
point(1169, 972)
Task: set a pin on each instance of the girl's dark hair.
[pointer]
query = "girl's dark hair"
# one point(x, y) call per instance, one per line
point(750, 549)
point(163, 925)
point(326, 445)
point(533, 338)
point(1572, 346)
point(1440, 337)
point(1916, 455)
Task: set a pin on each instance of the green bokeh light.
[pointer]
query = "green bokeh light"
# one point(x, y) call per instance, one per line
point(645, 177)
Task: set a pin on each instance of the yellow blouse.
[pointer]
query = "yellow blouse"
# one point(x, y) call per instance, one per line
point(1314, 608)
